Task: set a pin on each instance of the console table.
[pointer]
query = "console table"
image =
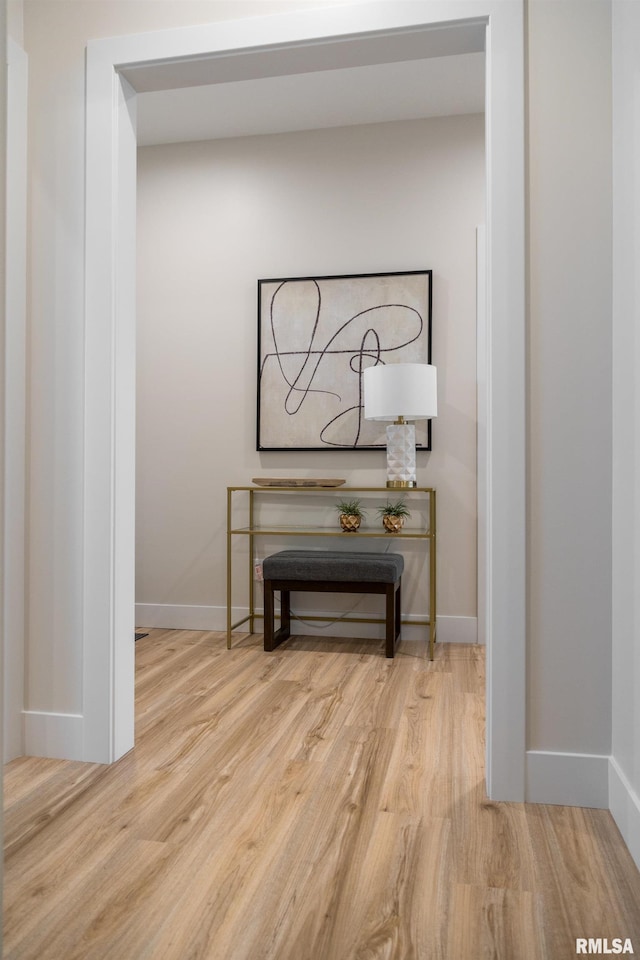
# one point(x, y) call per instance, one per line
point(263, 528)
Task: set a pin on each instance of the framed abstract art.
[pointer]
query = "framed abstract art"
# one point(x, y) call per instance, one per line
point(316, 336)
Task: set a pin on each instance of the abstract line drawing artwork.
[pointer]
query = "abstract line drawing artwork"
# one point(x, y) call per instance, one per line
point(316, 336)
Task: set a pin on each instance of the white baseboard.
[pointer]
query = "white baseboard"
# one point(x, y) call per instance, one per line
point(166, 616)
point(570, 779)
point(191, 617)
point(624, 804)
point(55, 735)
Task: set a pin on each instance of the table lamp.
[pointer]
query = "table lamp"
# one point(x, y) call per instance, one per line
point(400, 392)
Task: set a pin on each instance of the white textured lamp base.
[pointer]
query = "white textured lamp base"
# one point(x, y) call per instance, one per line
point(401, 455)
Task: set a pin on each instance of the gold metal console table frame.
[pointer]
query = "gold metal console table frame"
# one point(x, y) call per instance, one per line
point(252, 531)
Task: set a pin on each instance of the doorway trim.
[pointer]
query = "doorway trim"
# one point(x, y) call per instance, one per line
point(109, 542)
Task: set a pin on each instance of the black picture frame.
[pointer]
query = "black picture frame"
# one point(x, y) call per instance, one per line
point(315, 337)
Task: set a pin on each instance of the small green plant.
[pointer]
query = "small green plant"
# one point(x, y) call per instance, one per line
point(397, 509)
point(352, 508)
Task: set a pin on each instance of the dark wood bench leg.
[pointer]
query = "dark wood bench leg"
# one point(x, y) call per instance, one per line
point(393, 611)
point(272, 637)
point(390, 644)
point(285, 612)
point(268, 615)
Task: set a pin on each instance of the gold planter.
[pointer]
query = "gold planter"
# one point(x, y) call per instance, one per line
point(349, 522)
point(392, 524)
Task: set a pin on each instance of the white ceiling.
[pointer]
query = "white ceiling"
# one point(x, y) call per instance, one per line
point(374, 93)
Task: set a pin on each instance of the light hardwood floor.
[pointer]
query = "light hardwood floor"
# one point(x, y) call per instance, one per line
point(317, 803)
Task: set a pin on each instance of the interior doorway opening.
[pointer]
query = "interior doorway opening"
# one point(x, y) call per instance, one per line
point(129, 65)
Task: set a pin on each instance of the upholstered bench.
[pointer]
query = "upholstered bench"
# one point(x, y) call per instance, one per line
point(330, 571)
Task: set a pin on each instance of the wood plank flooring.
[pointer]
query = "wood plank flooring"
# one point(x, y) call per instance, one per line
point(316, 803)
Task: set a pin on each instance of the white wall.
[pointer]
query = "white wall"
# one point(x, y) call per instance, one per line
point(3, 190)
point(15, 20)
point(13, 565)
point(213, 218)
point(569, 368)
point(625, 765)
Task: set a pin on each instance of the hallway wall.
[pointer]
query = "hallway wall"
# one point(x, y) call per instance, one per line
point(569, 386)
point(215, 216)
point(624, 778)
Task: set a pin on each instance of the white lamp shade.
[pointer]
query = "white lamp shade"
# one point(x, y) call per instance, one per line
point(393, 390)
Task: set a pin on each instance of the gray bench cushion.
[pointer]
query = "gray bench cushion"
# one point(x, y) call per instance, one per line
point(333, 565)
